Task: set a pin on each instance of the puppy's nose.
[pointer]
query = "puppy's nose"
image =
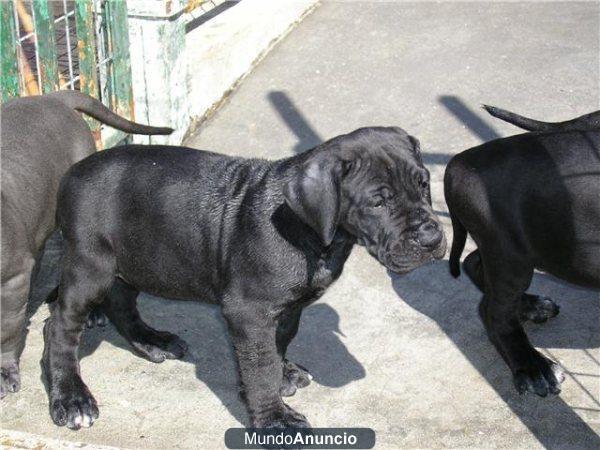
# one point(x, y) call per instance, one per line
point(429, 234)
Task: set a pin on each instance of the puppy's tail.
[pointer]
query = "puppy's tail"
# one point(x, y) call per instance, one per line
point(458, 245)
point(94, 108)
point(589, 121)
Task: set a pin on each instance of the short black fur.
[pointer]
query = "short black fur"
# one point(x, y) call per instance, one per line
point(262, 239)
point(530, 201)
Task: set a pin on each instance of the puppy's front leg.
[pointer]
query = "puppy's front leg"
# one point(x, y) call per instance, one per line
point(253, 335)
point(294, 375)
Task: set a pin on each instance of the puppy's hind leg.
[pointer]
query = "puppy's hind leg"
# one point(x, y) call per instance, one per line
point(121, 308)
point(15, 290)
point(536, 308)
point(506, 280)
point(86, 278)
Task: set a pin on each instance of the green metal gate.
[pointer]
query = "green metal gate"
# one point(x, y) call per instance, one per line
point(48, 45)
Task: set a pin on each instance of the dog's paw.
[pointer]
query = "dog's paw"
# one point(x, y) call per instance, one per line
point(161, 346)
point(538, 309)
point(10, 379)
point(75, 408)
point(294, 377)
point(282, 417)
point(96, 318)
point(542, 377)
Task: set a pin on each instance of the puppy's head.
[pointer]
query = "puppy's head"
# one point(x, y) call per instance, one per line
point(371, 183)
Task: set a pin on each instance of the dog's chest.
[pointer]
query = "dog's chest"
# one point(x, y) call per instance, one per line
point(327, 268)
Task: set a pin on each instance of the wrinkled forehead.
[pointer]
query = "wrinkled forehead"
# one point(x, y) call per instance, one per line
point(394, 147)
point(390, 166)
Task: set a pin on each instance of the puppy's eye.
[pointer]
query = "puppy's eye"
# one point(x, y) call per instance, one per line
point(377, 202)
point(425, 184)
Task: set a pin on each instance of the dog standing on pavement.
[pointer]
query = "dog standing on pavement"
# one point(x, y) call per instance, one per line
point(530, 201)
point(263, 239)
point(42, 136)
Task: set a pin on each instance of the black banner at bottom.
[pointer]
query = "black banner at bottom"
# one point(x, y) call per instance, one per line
point(300, 438)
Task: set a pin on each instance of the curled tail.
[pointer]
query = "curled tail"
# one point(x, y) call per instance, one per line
point(94, 108)
point(589, 121)
point(458, 244)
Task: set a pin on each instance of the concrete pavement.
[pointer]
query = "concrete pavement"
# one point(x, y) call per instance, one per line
point(406, 356)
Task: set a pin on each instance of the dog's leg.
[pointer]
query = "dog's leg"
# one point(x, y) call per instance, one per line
point(253, 336)
point(96, 318)
point(506, 280)
point(536, 308)
point(85, 281)
point(120, 305)
point(294, 375)
point(15, 290)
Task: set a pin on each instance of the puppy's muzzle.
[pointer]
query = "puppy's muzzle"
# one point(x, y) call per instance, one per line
point(424, 242)
point(429, 235)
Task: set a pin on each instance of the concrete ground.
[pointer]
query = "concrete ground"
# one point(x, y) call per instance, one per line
point(406, 356)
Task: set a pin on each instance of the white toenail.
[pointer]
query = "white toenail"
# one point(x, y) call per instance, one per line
point(310, 377)
point(87, 422)
point(558, 373)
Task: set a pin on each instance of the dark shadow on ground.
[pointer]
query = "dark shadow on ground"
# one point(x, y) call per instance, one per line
point(435, 159)
point(452, 304)
point(472, 120)
point(441, 213)
point(295, 120)
point(309, 138)
point(317, 346)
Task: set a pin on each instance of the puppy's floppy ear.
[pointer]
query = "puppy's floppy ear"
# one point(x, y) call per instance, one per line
point(314, 195)
point(416, 147)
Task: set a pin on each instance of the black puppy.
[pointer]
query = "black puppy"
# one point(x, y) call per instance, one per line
point(529, 201)
point(262, 239)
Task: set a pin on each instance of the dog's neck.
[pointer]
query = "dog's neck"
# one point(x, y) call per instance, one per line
point(304, 238)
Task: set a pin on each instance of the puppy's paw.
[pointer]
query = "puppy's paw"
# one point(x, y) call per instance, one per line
point(541, 376)
point(96, 318)
point(161, 346)
point(282, 417)
point(10, 379)
point(294, 377)
point(74, 408)
point(537, 309)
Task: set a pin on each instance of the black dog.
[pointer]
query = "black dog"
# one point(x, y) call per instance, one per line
point(529, 201)
point(262, 239)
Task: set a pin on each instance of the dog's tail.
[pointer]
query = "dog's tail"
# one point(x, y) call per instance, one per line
point(589, 121)
point(458, 245)
point(94, 108)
